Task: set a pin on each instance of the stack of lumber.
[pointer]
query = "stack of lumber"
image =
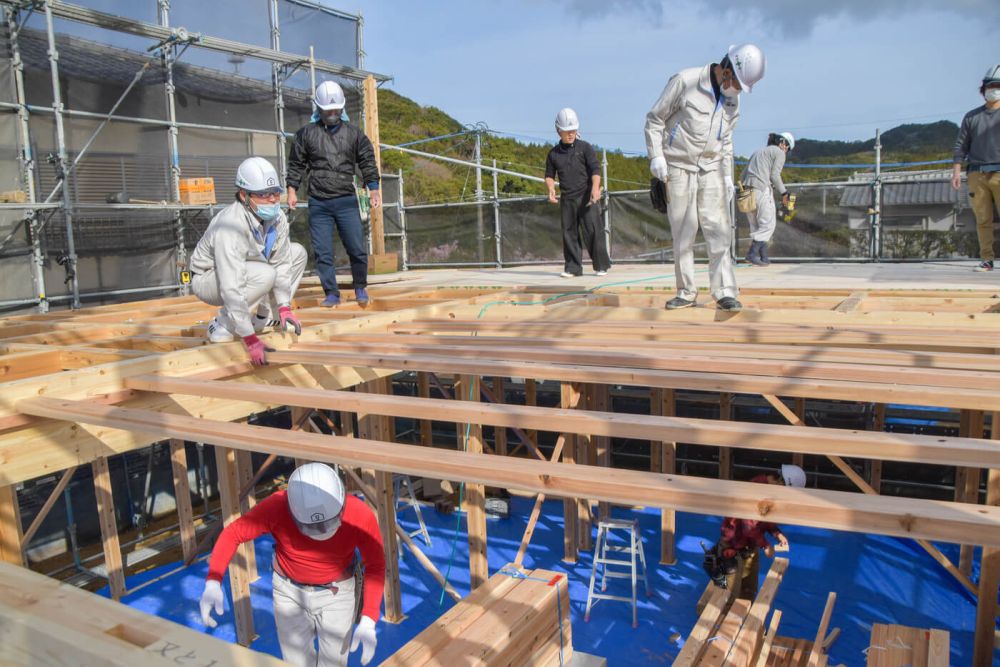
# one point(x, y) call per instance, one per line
point(509, 620)
point(899, 645)
point(45, 622)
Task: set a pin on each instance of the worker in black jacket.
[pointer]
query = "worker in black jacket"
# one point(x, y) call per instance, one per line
point(330, 149)
point(575, 163)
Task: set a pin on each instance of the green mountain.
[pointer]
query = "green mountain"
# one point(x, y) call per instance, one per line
point(401, 120)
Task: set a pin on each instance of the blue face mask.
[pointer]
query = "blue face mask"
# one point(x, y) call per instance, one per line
point(268, 212)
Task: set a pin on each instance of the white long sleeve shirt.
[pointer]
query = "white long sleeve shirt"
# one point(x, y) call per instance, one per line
point(764, 170)
point(689, 127)
point(234, 238)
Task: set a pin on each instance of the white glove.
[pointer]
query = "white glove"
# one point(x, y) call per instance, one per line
point(727, 179)
point(364, 633)
point(211, 597)
point(658, 168)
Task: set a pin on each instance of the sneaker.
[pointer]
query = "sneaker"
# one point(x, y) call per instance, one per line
point(262, 324)
point(729, 304)
point(331, 300)
point(677, 303)
point(984, 266)
point(601, 273)
point(218, 333)
point(567, 274)
point(361, 294)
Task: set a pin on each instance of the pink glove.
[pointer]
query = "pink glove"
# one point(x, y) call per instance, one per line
point(286, 317)
point(256, 348)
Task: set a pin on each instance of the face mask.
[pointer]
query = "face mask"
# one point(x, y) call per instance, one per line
point(268, 212)
point(993, 94)
point(729, 91)
point(320, 531)
point(331, 119)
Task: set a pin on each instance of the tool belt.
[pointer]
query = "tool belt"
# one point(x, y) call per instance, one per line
point(332, 586)
point(716, 564)
point(746, 199)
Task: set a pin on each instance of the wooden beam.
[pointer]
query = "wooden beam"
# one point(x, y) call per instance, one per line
point(824, 623)
point(109, 527)
point(50, 502)
point(770, 437)
point(475, 494)
point(10, 527)
point(904, 517)
point(748, 642)
point(239, 581)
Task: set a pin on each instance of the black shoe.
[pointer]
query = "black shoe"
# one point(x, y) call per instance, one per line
point(753, 255)
point(729, 304)
point(677, 303)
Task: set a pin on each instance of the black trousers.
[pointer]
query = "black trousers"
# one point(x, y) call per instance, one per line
point(582, 220)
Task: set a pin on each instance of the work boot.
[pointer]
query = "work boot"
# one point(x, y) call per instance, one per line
point(331, 300)
point(762, 253)
point(361, 294)
point(753, 255)
point(218, 333)
point(677, 303)
point(729, 304)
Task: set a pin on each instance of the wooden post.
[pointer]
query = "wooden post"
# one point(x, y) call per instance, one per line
point(109, 527)
point(10, 526)
point(569, 398)
point(967, 480)
point(984, 644)
point(182, 499)
point(875, 466)
point(244, 475)
point(585, 455)
point(499, 432)
point(725, 453)
point(475, 494)
point(664, 403)
point(371, 129)
point(424, 391)
point(239, 581)
point(798, 458)
point(385, 503)
point(602, 443)
point(531, 398)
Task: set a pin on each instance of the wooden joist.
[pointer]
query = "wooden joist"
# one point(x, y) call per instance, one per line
point(902, 646)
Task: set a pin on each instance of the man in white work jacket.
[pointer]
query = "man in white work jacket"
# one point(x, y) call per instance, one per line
point(690, 146)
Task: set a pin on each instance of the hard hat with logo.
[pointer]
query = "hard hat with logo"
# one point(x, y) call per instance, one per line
point(787, 136)
point(748, 62)
point(329, 96)
point(316, 500)
point(992, 75)
point(255, 174)
point(793, 475)
point(566, 120)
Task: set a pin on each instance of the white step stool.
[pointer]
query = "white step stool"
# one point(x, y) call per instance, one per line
point(601, 549)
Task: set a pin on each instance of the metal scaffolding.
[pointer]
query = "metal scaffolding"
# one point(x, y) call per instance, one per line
point(169, 43)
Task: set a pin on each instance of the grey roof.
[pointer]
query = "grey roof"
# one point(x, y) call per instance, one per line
point(913, 188)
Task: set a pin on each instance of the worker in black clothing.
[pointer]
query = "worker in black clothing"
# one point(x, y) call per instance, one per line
point(575, 163)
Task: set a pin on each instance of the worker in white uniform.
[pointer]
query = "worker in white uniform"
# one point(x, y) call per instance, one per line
point(245, 262)
point(690, 146)
point(763, 176)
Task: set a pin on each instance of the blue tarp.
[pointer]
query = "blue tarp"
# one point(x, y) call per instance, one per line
point(877, 579)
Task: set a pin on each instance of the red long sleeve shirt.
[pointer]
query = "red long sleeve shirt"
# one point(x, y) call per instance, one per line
point(742, 533)
point(304, 559)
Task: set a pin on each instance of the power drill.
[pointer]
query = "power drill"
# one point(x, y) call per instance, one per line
point(787, 211)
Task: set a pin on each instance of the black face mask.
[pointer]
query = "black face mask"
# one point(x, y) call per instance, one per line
point(320, 530)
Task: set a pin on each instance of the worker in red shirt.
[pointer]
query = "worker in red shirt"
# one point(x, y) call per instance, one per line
point(316, 531)
point(742, 539)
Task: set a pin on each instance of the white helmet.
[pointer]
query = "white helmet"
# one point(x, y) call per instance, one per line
point(992, 75)
point(255, 174)
point(748, 62)
point(316, 500)
point(793, 475)
point(787, 136)
point(329, 96)
point(566, 120)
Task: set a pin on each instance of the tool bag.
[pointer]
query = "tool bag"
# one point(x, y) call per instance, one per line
point(746, 199)
point(658, 194)
point(716, 565)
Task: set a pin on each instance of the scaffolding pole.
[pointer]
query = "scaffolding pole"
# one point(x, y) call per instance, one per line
point(401, 208)
point(25, 157)
point(278, 73)
point(61, 157)
point(168, 54)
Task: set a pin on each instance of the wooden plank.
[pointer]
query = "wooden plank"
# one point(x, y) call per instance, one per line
point(851, 303)
point(182, 499)
point(824, 623)
point(939, 651)
point(475, 494)
point(770, 437)
point(772, 632)
point(720, 644)
point(109, 528)
point(747, 643)
point(10, 527)
point(934, 520)
point(239, 581)
point(703, 628)
point(45, 623)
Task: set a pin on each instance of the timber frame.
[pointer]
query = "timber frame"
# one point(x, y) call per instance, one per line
point(81, 386)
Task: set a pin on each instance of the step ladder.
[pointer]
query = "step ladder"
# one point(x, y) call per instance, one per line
point(633, 548)
point(399, 481)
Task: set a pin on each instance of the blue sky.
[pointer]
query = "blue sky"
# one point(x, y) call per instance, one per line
point(836, 69)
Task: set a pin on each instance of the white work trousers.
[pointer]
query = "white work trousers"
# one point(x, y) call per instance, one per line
point(700, 199)
point(763, 220)
point(303, 614)
point(260, 281)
